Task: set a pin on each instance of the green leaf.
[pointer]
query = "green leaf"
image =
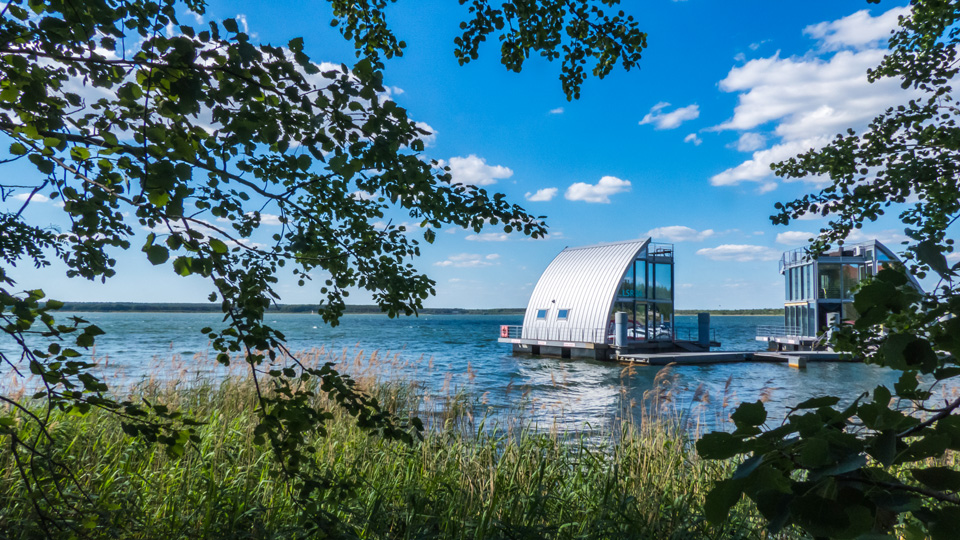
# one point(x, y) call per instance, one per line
point(817, 402)
point(938, 478)
point(18, 149)
point(231, 26)
point(929, 253)
point(217, 246)
point(720, 445)
point(724, 495)
point(157, 254)
point(749, 414)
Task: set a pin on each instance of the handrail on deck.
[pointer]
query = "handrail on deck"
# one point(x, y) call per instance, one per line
point(768, 331)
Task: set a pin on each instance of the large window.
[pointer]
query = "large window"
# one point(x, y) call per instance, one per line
point(829, 281)
point(851, 278)
point(663, 281)
point(641, 279)
point(627, 287)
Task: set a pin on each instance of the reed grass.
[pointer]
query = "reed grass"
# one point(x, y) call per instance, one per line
point(472, 476)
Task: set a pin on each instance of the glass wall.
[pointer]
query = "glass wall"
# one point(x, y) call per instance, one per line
point(641, 278)
point(646, 294)
point(829, 281)
point(663, 281)
point(851, 278)
point(627, 286)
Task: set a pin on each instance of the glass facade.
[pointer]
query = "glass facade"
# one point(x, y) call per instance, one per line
point(851, 278)
point(817, 290)
point(829, 281)
point(663, 281)
point(646, 295)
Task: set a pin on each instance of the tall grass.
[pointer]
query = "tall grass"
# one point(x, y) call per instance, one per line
point(470, 477)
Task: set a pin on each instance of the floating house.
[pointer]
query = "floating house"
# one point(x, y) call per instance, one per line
point(819, 292)
point(600, 301)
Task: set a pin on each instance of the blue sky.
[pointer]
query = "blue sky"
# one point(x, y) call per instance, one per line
point(678, 149)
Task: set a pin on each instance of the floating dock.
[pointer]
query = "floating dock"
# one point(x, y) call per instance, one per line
point(794, 358)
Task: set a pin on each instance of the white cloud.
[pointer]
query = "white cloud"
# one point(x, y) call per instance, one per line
point(469, 260)
point(757, 169)
point(428, 140)
point(474, 171)
point(809, 99)
point(558, 110)
point(955, 256)
point(739, 253)
point(268, 219)
point(488, 237)
point(795, 238)
point(599, 192)
point(891, 238)
point(670, 120)
point(694, 138)
point(858, 30)
point(750, 141)
point(679, 233)
point(544, 194)
point(37, 197)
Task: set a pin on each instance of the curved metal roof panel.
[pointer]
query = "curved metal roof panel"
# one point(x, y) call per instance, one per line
point(583, 280)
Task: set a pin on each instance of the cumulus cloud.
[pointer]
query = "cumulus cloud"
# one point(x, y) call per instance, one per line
point(892, 238)
point(670, 120)
point(487, 237)
point(757, 168)
point(37, 197)
point(469, 260)
point(544, 194)
point(739, 253)
point(473, 170)
point(858, 30)
point(599, 192)
point(430, 139)
point(803, 101)
point(679, 233)
point(794, 238)
point(750, 141)
point(558, 110)
point(693, 138)
point(268, 219)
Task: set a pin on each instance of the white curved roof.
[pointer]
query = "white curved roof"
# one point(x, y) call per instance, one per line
point(583, 280)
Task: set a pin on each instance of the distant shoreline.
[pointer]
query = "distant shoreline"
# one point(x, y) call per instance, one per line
point(140, 307)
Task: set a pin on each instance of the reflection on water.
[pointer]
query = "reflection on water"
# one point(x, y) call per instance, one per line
point(452, 354)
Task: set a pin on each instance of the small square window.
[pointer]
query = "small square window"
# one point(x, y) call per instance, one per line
point(562, 314)
point(541, 314)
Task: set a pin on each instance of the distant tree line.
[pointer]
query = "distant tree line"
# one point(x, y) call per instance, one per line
point(190, 307)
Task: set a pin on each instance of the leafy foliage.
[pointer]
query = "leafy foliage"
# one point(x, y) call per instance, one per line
point(198, 134)
point(874, 464)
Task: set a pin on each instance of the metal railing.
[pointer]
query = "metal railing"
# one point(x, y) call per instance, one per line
point(791, 258)
point(514, 332)
point(693, 334)
point(600, 335)
point(588, 335)
point(777, 331)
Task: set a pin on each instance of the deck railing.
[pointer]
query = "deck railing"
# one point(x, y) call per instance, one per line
point(769, 331)
point(597, 335)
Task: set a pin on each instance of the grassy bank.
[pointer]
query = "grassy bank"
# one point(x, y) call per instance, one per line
point(467, 479)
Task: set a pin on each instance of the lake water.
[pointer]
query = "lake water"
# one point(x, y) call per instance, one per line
point(460, 353)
